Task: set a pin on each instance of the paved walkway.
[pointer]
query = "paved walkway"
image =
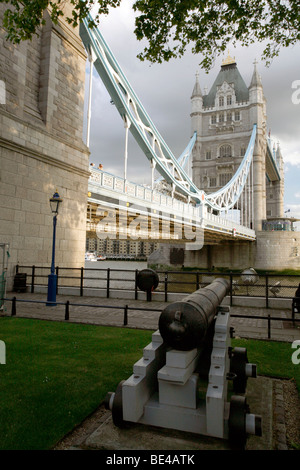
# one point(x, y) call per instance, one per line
point(145, 315)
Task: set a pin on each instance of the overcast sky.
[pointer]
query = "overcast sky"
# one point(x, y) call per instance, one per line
point(165, 91)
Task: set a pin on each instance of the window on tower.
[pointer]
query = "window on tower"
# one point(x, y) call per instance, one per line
point(221, 118)
point(208, 155)
point(229, 100)
point(221, 101)
point(213, 119)
point(225, 151)
point(237, 116)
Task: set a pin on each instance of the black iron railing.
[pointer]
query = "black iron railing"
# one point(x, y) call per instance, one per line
point(266, 286)
point(126, 308)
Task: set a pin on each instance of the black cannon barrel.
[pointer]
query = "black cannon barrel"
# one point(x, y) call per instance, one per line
point(183, 325)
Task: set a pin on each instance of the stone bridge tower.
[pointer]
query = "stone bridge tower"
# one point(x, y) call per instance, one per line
point(41, 146)
point(223, 118)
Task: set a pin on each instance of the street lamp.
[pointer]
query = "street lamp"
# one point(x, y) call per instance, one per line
point(55, 201)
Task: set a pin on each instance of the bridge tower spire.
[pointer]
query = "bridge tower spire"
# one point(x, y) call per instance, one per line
point(196, 121)
point(257, 115)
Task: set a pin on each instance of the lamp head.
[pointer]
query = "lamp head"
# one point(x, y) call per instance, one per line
point(55, 201)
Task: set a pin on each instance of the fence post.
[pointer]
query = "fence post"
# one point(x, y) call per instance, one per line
point(125, 315)
point(135, 285)
point(81, 281)
point(32, 278)
point(166, 287)
point(269, 326)
point(67, 310)
point(267, 291)
point(14, 307)
point(293, 310)
point(107, 280)
point(231, 283)
point(57, 268)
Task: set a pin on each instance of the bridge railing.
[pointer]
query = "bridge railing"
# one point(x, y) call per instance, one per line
point(90, 281)
point(122, 186)
point(102, 179)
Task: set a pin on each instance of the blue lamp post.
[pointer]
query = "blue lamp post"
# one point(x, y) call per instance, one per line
point(55, 201)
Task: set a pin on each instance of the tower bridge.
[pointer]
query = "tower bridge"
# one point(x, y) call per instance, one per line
point(236, 186)
point(238, 191)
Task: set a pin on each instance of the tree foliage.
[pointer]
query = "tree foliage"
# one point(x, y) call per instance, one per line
point(170, 26)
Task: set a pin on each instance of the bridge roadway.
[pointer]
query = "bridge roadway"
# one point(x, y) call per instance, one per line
point(109, 192)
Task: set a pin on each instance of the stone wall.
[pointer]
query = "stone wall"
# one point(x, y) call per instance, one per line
point(231, 255)
point(277, 250)
point(271, 251)
point(41, 147)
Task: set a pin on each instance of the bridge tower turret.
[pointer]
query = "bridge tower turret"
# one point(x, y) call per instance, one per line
point(257, 115)
point(196, 125)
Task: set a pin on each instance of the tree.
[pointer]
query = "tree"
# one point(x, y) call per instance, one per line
point(170, 26)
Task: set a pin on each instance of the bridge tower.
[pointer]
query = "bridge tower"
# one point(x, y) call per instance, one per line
point(223, 118)
point(41, 146)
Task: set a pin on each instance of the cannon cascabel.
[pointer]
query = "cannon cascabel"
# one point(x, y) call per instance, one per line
point(183, 325)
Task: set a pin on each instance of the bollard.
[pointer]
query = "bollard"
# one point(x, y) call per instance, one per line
point(14, 307)
point(125, 322)
point(32, 278)
point(108, 282)
point(67, 309)
point(81, 281)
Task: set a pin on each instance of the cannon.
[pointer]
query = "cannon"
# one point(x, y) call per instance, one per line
point(190, 378)
point(184, 325)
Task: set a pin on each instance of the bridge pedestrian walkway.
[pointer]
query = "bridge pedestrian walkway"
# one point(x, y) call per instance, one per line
point(145, 315)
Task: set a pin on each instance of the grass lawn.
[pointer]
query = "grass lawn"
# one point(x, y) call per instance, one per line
point(56, 374)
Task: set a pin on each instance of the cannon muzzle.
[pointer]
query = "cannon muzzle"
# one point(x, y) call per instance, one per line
point(183, 325)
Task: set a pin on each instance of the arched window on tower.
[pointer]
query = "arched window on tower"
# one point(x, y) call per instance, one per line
point(225, 151)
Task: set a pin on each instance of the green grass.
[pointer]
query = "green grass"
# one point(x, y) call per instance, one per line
point(56, 374)
point(273, 359)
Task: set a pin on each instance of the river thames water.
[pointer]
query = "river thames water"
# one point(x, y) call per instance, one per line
point(122, 274)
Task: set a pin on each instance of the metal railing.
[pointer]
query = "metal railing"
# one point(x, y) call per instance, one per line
point(264, 286)
point(126, 310)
